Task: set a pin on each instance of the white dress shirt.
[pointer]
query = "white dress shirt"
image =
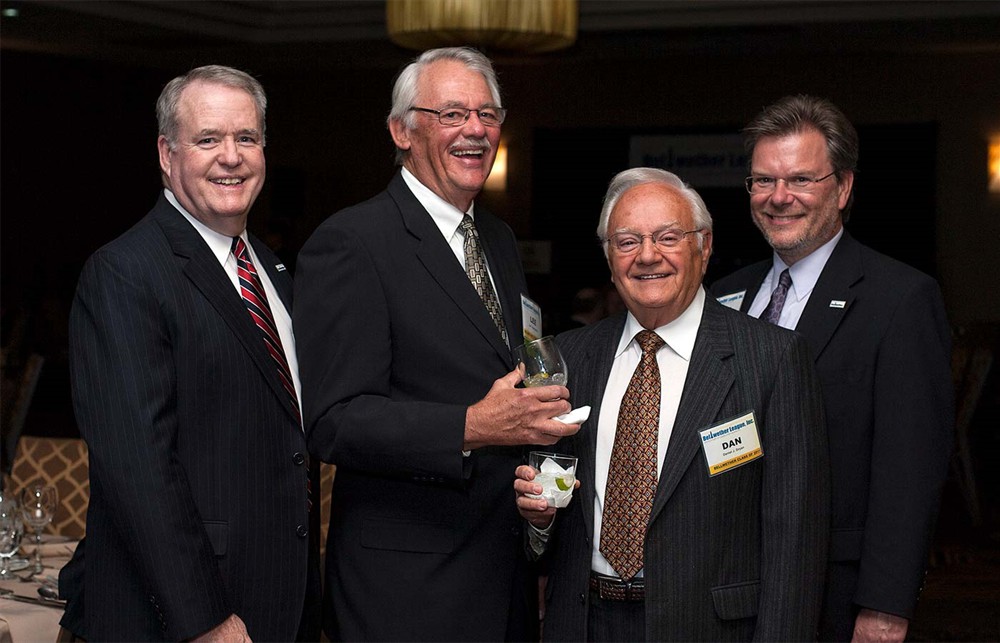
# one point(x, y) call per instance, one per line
point(221, 246)
point(804, 273)
point(673, 360)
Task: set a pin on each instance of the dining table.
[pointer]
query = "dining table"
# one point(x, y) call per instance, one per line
point(26, 616)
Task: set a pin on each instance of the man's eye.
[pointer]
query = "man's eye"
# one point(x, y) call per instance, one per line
point(764, 180)
point(668, 238)
point(205, 142)
point(626, 244)
point(800, 181)
point(247, 139)
point(452, 114)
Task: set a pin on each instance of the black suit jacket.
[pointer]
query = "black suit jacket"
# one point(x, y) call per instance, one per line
point(736, 556)
point(198, 504)
point(394, 345)
point(883, 359)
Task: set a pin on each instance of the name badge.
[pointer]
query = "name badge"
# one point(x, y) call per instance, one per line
point(531, 319)
point(731, 443)
point(733, 300)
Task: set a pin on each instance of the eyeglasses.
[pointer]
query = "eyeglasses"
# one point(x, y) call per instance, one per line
point(795, 184)
point(626, 243)
point(455, 116)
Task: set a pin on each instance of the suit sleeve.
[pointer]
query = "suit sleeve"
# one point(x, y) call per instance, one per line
point(124, 396)
point(795, 503)
point(353, 416)
point(911, 446)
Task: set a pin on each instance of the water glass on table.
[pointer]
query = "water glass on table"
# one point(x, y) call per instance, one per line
point(11, 530)
point(38, 505)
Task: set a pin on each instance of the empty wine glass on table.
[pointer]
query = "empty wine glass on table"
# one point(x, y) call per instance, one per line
point(11, 530)
point(543, 363)
point(38, 506)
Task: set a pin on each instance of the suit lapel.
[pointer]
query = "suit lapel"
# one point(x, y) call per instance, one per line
point(709, 378)
point(436, 256)
point(595, 369)
point(819, 319)
point(204, 271)
point(280, 279)
point(758, 273)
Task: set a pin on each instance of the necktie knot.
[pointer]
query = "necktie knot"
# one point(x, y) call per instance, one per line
point(785, 279)
point(649, 341)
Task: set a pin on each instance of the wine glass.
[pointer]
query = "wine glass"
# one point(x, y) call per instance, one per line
point(11, 530)
point(543, 363)
point(38, 506)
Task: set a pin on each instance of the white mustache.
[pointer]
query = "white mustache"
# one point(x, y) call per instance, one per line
point(482, 143)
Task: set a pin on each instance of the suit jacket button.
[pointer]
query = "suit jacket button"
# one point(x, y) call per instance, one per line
point(583, 599)
point(298, 458)
point(302, 531)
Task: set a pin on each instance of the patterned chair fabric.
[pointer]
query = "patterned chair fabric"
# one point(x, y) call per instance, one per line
point(63, 463)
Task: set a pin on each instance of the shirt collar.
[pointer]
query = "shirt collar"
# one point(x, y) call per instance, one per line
point(679, 334)
point(806, 271)
point(445, 215)
point(220, 244)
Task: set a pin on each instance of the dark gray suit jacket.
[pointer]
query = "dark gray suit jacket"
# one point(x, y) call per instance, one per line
point(883, 359)
point(737, 556)
point(394, 345)
point(198, 504)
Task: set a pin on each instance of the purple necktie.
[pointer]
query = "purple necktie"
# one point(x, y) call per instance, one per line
point(773, 311)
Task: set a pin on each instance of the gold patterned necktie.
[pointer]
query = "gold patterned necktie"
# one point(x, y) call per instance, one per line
point(475, 267)
point(628, 497)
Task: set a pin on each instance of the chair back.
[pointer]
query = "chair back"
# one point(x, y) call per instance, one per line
point(64, 464)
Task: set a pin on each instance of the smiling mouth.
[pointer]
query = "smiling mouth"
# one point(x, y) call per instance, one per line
point(232, 180)
point(648, 277)
point(476, 153)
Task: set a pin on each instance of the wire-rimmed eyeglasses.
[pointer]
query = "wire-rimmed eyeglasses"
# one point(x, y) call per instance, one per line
point(666, 240)
point(455, 116)
point(797, 184)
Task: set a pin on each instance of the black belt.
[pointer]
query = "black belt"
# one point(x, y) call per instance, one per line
point(615, 589)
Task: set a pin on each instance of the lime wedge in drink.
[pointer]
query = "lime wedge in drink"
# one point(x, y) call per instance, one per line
point(562, 484)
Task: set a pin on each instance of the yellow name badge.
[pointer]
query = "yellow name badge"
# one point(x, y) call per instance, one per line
point(731, 443)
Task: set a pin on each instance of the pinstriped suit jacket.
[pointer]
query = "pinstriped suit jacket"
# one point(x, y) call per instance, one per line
point(737, 556)
point(198, 505)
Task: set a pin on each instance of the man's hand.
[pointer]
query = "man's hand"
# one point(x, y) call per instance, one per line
point(513, 416)
point(535, 510)
point(872, 626)
point(231, 630)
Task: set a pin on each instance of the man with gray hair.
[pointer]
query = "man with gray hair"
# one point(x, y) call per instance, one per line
point(185, 388)
point(882, 345)
point(407, 307)
point(704, 504)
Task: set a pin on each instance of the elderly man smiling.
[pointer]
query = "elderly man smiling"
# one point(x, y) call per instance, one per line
point(704, 505)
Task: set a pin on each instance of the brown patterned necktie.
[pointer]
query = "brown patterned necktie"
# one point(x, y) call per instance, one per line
point(628, 497)
point(475, 267)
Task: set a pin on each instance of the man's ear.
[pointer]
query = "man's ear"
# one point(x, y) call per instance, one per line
point(163, 146)
point(400, 134)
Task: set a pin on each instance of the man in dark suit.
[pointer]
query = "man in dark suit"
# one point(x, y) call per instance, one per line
point(877, 331)
point(703, 512)
point(401, 351)
point(185, 389)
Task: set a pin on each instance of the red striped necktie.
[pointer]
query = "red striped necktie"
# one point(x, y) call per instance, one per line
point(256, 301)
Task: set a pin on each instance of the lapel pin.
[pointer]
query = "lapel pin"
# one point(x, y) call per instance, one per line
point(280, 267)
point(837, 303)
